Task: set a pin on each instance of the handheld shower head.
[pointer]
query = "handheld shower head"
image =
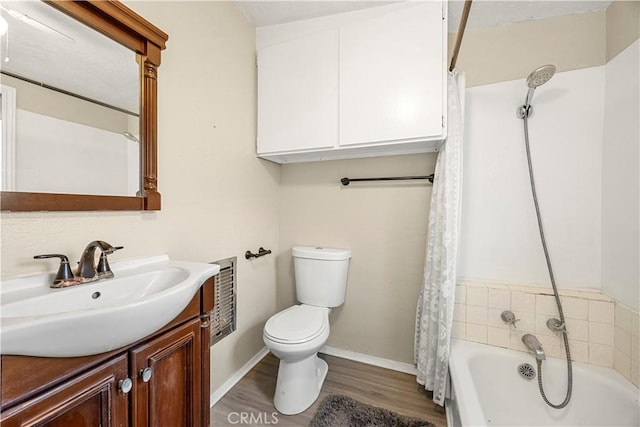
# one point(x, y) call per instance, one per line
point(536, 78)
point(540, 76)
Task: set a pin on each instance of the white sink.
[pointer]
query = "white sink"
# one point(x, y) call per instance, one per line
point(96, 317)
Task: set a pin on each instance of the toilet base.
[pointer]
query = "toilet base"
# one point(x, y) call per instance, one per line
point(299, 383)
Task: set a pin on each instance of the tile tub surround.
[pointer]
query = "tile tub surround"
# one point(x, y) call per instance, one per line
point(626, 350)
point(601, 332)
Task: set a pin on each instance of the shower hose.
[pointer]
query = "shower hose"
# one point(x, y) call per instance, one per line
point(567, 398)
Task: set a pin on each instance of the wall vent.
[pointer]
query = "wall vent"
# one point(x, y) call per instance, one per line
point(223, 315)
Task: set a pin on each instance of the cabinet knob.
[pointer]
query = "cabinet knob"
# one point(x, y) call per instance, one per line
point(125, 385)
point(145, 374)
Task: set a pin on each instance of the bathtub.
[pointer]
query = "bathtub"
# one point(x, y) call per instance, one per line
point(486, 390)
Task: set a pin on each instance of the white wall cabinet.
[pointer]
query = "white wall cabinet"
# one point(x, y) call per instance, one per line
point(298, 89)
point(357, 84)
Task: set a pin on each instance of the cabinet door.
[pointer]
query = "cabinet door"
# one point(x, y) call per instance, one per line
point(391, 75)
point(93, 399)
point(171, 396)
point(298, 94)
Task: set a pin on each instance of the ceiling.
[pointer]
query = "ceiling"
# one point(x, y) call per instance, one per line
point(484, 13)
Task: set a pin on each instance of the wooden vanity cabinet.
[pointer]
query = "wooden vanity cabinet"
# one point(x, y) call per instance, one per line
point(172, 394)
point(91, 399)
point(169, 374)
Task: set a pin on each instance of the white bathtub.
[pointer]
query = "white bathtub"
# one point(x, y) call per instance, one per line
point(487, 390)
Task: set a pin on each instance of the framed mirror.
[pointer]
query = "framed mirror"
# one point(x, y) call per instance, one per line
point(79, 107)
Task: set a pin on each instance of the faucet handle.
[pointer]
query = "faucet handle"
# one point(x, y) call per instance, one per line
point(508, 317)
point(64, 271)
point(103, 267)
point(112, 250)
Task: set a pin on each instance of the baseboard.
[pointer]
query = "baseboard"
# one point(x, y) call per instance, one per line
point(236, 377)
point(449, 414)
point(407, 368)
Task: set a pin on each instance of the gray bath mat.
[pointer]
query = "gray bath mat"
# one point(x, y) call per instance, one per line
point(342, 411)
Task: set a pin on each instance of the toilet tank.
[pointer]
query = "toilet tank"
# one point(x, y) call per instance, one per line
point(321, 275)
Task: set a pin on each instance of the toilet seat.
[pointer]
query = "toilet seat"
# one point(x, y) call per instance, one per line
point(297, 324)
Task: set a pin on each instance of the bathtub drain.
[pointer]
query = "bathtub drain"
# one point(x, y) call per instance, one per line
point(527, 371)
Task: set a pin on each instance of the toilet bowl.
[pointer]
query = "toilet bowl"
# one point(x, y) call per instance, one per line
point(295, 334)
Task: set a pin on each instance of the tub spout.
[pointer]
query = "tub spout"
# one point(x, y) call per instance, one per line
point(534, 345)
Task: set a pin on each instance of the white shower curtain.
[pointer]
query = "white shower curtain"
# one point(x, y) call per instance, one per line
point(435, 303)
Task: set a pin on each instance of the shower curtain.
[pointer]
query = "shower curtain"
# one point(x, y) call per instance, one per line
point(435, 304)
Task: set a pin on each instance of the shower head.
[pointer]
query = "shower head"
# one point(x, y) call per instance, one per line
point(540, 76)
point(536, 78)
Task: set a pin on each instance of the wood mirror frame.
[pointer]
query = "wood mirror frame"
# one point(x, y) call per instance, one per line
point(123, 25)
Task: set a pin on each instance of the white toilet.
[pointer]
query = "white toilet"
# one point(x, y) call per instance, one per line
point(296, 334)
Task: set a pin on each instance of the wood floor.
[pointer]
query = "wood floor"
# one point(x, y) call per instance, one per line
point(368, 384)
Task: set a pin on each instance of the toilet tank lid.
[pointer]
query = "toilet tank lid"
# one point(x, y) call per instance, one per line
point(315, 252)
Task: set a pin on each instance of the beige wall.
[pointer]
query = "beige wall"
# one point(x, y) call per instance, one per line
point(218, 198)
point(623, 26)
point(510, 52)
point(385, 227)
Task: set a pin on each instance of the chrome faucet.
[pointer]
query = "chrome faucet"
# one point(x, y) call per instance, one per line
point(87, 271)
point(534, 345)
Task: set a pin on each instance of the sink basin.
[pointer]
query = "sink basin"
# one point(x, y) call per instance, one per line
point(144, 295)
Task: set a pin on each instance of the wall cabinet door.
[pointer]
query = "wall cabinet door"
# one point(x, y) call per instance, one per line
point(93, 399)
point(391, 74)
point(359, 84)
point(168, 390)
point(298, 93)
